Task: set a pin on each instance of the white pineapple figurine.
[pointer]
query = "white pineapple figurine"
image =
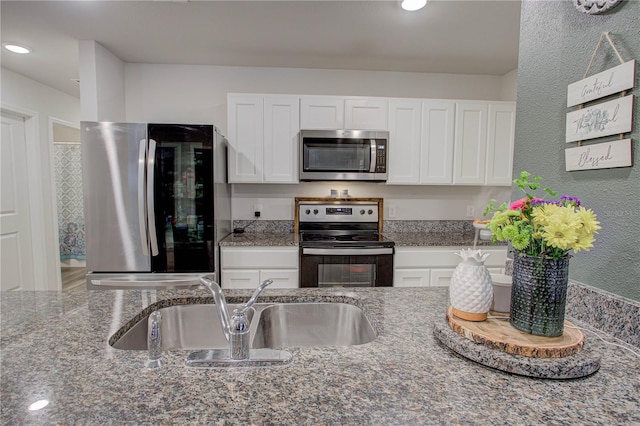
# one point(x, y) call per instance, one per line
point(471, 291)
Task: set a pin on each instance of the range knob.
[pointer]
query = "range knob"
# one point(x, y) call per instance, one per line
point(315, 211)
point(370, 211)
point(362, 211)
point(307, 211)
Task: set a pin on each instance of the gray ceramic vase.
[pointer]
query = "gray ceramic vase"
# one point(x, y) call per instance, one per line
point(539, 294)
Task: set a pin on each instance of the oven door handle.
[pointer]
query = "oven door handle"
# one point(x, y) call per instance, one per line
point(347, 251)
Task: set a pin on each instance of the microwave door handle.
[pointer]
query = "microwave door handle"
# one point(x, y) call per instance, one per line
point(142, 213)
point(374, 157)
point(151, 209)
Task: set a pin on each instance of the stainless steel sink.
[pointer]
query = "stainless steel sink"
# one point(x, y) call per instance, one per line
point(191, 327)
point(312, 324)
point(183, 327)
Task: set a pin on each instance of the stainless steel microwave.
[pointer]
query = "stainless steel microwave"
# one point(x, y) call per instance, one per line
point(357, 155)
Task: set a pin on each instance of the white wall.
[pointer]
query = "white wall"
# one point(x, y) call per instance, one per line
point(26, 94)
point(101, 83)
point(198, 94)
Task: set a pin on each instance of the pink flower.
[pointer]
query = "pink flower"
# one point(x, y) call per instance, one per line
point(521, 203)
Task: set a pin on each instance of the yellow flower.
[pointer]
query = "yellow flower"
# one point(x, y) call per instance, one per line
point(561, 232)
point(588, 219)
point(542, 212)
point(584, 242)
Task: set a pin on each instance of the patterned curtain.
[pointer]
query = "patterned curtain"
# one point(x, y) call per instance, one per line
point(70, 204)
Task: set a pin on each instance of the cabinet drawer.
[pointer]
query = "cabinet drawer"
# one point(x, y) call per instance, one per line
point(240, 279)
point(411, 278)
point(441, 277)
point(428, 257)
point(258, 258)
point(282, 278)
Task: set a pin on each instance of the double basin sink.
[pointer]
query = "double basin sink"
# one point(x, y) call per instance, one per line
point(279, 325)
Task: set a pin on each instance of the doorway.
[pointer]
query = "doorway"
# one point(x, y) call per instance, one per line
point(67, 167)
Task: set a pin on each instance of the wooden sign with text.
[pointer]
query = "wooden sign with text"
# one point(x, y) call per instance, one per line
point(606, 155)
point(606, 83)
point(604, 119)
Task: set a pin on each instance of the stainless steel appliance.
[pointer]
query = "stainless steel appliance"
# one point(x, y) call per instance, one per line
point(358, 155)
point(341, 245)
point(156, 203)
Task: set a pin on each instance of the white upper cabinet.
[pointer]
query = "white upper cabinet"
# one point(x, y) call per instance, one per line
point(365, 114)
point(436, 158)
point(281, 128)
point(404, 141)
point(245, 121)
point(500, 143)
point(321, 112)
point(263, 135)
point(336, 112)
point(421, 142)
point(470, 146)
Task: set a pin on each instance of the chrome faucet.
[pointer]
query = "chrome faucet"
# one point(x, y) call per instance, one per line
point(235, 327)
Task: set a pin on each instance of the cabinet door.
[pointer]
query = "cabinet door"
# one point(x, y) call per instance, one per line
point(470, 143)
point(411, 277)
point(441, 277)
point(246, 278)
point(282, 278)
point(365, 114)
point(281, 127)
point(404, 141)
point(436, 156)
point(500, 142)
point(321, 112)
point(245, 118)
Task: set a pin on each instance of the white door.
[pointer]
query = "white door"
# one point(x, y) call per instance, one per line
point(281, 128)
point(15, 227)
point(404, 142)
point(436, 155)
point(245, 114)
point(470, 147)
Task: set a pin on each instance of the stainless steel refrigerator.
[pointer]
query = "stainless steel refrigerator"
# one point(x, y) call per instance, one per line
point(156, 203)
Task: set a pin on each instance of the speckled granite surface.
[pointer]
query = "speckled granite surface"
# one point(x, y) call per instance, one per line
point(276, 239)
point(269, 239)
point(54, 346)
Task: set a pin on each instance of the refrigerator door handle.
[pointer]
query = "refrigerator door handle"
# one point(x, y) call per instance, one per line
point(142, 214)
point(151, 210)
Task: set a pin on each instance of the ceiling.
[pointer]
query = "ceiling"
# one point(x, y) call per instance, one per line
point(447, 36)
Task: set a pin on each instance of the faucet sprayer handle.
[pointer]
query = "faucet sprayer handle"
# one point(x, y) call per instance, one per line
point(253, 298)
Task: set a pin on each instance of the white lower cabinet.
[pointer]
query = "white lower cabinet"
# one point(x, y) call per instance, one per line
point(434, 266)
point(247, 267)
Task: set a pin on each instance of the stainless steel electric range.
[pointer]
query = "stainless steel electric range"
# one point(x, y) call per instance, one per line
point(341, 244)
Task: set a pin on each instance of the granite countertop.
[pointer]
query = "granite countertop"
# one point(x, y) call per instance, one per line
point(268, 239)
point(434, 239)
point(54, 346)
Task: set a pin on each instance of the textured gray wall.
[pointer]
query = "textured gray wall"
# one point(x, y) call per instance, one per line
point(556, 44)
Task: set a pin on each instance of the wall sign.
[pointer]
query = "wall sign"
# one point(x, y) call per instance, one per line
point(605, 155)
point(604, 119)
point(606, 83)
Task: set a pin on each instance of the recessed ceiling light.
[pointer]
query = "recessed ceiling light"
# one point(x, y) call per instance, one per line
point(16, 48)
point(413, 5)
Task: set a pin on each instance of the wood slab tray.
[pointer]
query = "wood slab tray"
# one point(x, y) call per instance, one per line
point(499, 334)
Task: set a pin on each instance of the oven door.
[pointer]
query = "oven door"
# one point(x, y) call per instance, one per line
point(346, 267)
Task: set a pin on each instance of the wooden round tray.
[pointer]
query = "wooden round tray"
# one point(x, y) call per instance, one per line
point(499, 334)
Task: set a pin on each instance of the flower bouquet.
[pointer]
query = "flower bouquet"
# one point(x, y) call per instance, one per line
point(542, 233)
